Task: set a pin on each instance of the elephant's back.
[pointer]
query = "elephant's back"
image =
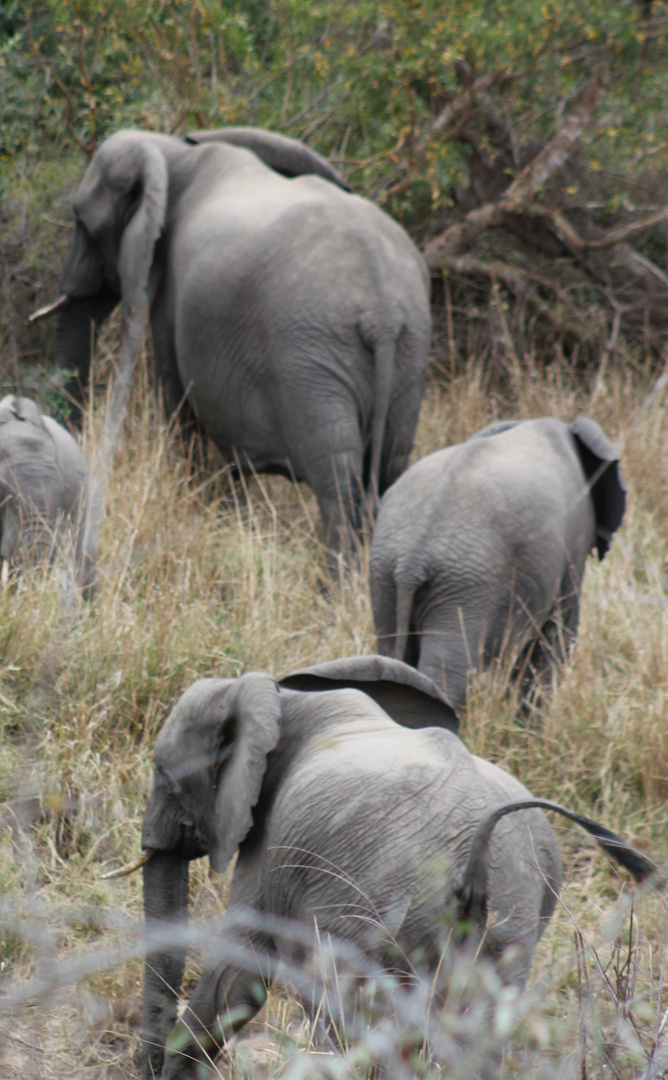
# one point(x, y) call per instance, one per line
point(305, 238)
point(522, 488)
point(532, 464)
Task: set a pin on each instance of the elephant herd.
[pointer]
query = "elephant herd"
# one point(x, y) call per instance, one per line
point(290, 322)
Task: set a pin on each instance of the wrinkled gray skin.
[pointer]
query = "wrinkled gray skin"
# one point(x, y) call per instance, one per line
point(289, 317)
point(46, 492)
point(481, 548)
point(301, 781)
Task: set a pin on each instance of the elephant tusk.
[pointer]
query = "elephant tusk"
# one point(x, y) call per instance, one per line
point(50, 309)
point(130, 867)
point(4, 574)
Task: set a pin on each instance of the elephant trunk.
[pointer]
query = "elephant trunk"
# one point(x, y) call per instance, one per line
point(165, 900)
point(76, 332)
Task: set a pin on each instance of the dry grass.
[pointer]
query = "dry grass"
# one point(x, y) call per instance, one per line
point(199, 579)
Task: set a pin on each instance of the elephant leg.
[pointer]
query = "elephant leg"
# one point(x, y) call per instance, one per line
point(449, 648)
point(225, 998)
point(535, 667)
point(340, 498)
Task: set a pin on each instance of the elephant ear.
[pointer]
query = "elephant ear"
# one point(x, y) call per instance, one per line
point(600, 463)
point(409, 697)
point(20, 408)
point(135, 256)
point(250, 727)
point(284, 155)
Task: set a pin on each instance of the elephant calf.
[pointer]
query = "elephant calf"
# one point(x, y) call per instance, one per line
point(482, 547)
point(341, 812)
point(46, 492)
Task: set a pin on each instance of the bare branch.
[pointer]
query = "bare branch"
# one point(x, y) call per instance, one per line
point(578, 244)
point(551, 158)
point(634, 257)
point(618, 236)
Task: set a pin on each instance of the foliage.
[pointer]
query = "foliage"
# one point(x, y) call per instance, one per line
point(358, 78)
point(430, 110)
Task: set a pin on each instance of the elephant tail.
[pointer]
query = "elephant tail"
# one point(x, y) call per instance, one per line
point(384, 355)
point(405, 594)
point(472, 892)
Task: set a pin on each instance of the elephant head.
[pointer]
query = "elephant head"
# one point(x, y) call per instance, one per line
point(201, 804)
point(211, 759)
point(121, 208)
point(119, 212)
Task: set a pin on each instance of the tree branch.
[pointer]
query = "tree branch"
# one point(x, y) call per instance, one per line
point(551, 158)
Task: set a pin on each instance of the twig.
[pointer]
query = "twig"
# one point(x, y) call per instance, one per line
point(618, 236)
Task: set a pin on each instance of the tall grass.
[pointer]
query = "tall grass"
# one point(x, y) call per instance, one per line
point(201, 577)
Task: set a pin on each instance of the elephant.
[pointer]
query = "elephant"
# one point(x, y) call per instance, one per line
point(46, 491)
point(290, 318)
point(479, 550)
point(373, 820)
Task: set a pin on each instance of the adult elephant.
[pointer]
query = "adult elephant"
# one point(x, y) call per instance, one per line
point(481, 547)
point(342, 812)
point(47, 494)
point(288, 315)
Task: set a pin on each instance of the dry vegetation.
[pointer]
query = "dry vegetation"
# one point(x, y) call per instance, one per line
point(200, 579)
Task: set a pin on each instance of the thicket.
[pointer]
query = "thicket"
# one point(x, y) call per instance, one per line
point(523, 142)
